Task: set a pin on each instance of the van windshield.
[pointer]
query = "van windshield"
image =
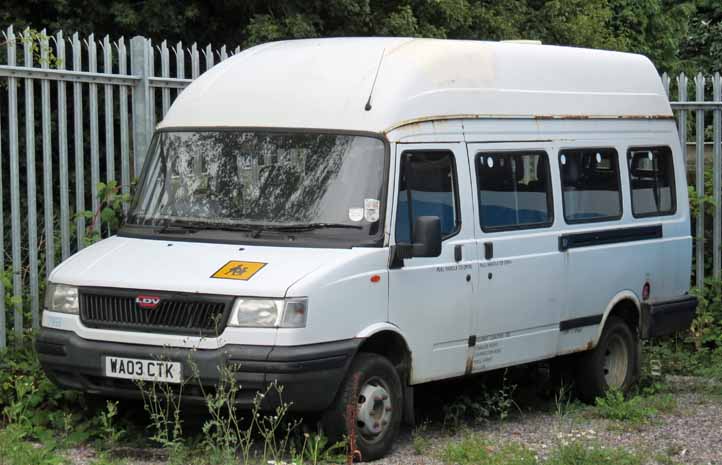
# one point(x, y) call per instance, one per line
point(264, 183)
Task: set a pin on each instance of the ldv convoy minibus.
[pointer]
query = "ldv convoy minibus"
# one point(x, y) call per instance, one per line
point(354, 217)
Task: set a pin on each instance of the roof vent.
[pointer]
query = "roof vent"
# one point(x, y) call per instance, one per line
point(523, 41)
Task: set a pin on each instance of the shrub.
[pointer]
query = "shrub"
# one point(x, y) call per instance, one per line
point(481, 404)
point(15, 450)
point(28, 399)
point(706, 329)
point(613, 406)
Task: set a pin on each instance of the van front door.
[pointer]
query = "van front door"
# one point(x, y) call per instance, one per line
point(521, 271)
point(430, 298)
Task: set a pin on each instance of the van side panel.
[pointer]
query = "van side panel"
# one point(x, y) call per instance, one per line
point(594, 276)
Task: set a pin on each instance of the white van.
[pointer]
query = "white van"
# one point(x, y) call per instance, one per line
point(388, 212)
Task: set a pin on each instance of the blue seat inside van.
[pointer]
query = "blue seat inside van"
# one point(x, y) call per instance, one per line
point(495, 215)
point(439, 208)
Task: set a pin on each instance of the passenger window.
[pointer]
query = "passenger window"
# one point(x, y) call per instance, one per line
point(590, 185)
point(514, 190)
point(427, 187)
point(651, 177)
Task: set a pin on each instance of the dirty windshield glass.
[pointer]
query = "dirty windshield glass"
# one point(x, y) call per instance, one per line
point(253, 181)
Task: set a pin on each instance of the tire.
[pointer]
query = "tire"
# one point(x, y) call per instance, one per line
point(377, 397)
point(613, 363)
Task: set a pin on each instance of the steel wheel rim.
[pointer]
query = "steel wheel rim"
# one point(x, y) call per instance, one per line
point(616, 362)
point(374, 409)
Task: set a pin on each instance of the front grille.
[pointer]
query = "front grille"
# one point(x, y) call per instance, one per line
point(203, 315)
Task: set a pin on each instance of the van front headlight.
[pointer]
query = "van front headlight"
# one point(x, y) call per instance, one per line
point(269, 313)
point(61, 298)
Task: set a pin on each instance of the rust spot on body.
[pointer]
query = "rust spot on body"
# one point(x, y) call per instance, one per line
point(469, 361)
point(462, 116)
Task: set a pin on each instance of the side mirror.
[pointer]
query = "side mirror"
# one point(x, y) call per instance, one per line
point(427, 237)
point(427, 242)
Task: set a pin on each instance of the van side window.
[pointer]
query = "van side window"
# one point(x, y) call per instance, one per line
point(651, 178)
point(590, 185)
point(514, 190)
point(427, 187)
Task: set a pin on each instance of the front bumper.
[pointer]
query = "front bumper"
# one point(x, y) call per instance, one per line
point(310, 374)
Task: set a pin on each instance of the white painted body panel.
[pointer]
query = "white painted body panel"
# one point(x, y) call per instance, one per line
point(430, 298)
point(326, 83)
point(332, 276)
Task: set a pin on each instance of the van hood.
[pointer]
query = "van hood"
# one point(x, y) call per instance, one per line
point(143, 264)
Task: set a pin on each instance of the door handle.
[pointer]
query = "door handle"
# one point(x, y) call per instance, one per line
point(488, 250)
point(457, 252)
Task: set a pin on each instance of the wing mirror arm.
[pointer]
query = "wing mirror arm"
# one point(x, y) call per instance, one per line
point(426, 241)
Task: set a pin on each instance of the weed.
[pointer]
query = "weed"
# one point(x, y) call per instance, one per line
point(584, 453)
point(16, 450)
point(661, 403)
point(316, 450)
point(222, 433)
point(454, 414)
point(28, 399)
point(419, 440)
point(163, 405)
point(563, 400)
point(479, 451)
point(480, 406)
point(275, 432)
point(110, 211)
point(109, 432)
point(613, 406)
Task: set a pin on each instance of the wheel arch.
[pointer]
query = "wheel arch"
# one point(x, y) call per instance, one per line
point(387, 340)
point(625, 305)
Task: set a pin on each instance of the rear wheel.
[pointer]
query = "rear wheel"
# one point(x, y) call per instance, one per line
point(612, 364)
point(371, 392)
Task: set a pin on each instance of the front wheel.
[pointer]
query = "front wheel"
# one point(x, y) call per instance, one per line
point(612, 364)
point(371, 393)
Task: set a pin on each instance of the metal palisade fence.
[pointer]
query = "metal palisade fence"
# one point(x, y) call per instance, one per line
point(74, 112)
point(77, 111)
point(707, 117)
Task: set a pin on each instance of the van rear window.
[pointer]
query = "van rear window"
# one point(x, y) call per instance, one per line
point(514, 190)
point(651, 178)
point(590, 185)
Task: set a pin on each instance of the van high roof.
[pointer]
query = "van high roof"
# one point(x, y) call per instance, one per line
point(326, 84)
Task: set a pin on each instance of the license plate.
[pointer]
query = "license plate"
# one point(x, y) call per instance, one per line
point(143, 370)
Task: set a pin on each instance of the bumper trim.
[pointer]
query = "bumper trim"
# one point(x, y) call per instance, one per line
point(662, 318)
point(310, 374)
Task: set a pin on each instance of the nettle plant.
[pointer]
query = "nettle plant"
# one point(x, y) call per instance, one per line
point(109, 214)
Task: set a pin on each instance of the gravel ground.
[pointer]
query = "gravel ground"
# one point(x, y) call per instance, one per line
point(690, 434)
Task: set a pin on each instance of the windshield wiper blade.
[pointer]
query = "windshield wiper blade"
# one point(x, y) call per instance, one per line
point(310, 226)
point(187, 227)
point(225, 227)
point(175, 229)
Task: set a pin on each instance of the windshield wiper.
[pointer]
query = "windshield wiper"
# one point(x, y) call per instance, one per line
point(174, 229)
point(310, 226)
point(187, 227)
